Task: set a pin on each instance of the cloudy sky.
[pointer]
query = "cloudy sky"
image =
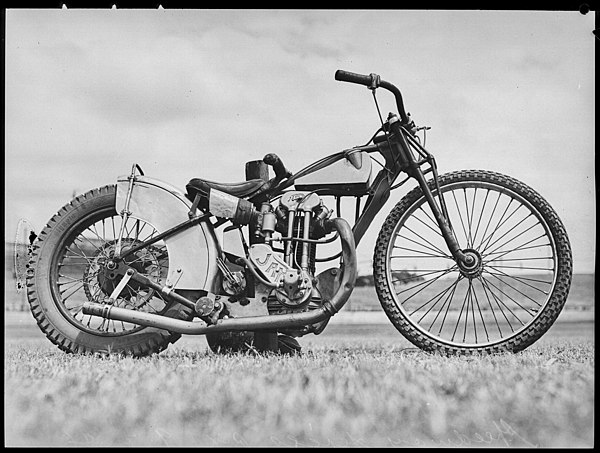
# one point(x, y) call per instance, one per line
point(197, 93)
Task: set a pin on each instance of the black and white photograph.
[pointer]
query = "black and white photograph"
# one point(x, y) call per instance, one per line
point(299, 227)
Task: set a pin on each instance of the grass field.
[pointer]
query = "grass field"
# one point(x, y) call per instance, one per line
point(354, 385)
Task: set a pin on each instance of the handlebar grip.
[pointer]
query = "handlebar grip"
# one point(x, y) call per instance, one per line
point(352, 77)
point(373, 81)
point(274, 161)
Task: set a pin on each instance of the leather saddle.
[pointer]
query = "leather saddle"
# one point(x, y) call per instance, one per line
point(243, 189)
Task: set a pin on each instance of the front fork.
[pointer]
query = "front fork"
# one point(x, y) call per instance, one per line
point(413, 169)
point(441, 216)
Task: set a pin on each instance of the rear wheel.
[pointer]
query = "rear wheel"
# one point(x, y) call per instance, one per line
point(71, 264)
point(511, 294)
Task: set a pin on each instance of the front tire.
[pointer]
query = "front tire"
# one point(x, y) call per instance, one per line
point(504, 303)
point(69, 267)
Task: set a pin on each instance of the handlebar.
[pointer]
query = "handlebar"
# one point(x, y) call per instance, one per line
point(373, 81)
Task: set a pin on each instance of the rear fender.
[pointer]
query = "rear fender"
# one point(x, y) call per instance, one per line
point(192, 252)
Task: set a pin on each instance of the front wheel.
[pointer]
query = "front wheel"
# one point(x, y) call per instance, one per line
point(504, 302)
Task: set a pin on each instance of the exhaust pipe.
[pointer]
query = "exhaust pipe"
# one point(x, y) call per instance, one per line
point(270, 322)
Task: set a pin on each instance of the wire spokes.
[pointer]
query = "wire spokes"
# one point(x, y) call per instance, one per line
point(82, 275)
point(515, 281)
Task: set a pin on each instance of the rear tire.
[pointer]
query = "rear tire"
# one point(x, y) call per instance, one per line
point(68, 268)
point(508, 301)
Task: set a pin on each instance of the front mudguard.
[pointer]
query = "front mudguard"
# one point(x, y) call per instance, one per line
point(193, 252)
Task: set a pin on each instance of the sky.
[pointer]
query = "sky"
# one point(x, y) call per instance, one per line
point(197, 93)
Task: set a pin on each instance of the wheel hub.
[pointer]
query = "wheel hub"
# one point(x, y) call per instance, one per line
point(110, 276)
point(111, 272)
point(472, 267)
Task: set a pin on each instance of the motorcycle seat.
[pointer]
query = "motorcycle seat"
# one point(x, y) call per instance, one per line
point(237, 189)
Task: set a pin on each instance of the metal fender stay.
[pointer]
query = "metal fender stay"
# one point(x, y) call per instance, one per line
point(193, 252)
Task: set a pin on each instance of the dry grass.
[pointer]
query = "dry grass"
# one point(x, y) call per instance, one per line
point(358, 393)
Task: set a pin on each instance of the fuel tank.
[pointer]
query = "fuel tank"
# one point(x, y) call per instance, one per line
point(350, 176)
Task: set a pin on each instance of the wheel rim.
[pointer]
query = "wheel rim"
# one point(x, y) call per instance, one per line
point(80, 271)
point(495, 299)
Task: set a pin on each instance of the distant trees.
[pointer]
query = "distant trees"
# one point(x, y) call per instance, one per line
point(399, 277)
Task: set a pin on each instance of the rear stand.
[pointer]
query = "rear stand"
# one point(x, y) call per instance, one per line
point(266, 341)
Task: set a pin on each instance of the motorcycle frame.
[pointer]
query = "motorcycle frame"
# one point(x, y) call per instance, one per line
point(398, 147)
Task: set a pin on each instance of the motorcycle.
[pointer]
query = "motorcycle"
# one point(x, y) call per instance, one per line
point(467, 262)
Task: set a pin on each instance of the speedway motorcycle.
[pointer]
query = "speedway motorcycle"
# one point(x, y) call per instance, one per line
point(469, 261)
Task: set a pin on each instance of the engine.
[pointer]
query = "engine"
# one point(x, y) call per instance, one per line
point(298, 221)
point(277, 273)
